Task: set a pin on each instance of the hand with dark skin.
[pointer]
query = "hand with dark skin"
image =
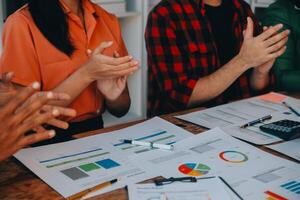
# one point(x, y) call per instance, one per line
point(8, 90)
point(18, 116)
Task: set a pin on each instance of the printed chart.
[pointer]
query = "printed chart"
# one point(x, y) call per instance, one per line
point(292, 186)
point(274, 196)
point(194, 169)
point(233, 156)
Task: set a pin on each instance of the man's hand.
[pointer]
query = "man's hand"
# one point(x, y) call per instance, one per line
point(16, 119)
point(8, 91)
point(257, 51)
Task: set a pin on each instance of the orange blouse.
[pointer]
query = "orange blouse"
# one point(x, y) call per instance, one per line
point(32, 57)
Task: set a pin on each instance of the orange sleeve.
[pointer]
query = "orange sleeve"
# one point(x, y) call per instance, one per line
point(19, 54)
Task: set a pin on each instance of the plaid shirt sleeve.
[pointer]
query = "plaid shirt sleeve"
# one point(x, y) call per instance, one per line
point(170, 70)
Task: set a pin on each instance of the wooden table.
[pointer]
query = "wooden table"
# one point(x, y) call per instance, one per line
point(17, 182)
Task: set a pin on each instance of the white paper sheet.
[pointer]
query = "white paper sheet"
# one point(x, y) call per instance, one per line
point(214, 153)
point(205, 189)
point(231, 116)
point(254, 135)
point(234, 113)
point(74, 166)
point(289, 148)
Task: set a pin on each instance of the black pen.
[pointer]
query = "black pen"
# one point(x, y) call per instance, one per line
point(260, 120)
point(291, 108)
point(231, 188)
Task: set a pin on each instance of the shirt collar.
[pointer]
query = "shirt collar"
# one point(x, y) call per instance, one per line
point(87, 5)
point(236, 3)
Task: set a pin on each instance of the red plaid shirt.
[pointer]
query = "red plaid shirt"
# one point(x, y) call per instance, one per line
point(181, 49)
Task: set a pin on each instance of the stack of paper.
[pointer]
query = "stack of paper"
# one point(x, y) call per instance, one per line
point(253, 173)
point(205, 189)
point(290, 148)
point(77, 165)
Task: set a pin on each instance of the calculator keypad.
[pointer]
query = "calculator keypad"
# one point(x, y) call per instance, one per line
point(285, 129)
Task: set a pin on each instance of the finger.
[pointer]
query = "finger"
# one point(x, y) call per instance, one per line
point(37, 120)
point(125, 72)
point(276, 38)
point(122, 82)
point(115, 61)
point(89, 52)
point(277, 46)
point(17, 101)
point(116, 54)
point(39, 129)
point(250, 28)
point(58, 124)
point(270, 32)
point(35, 106)
point(68, 112)
point(278, 53)
point(60, 97)
point(102, 47)
point(36, 137)
point(54, 97)
point(127, 65)
point(7, 77)
point(109, 69)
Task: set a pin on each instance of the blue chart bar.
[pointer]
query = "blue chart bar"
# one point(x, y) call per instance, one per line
point(293, 186)
point(143, 138)
point(68, 156)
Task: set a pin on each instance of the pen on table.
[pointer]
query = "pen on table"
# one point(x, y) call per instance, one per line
point(257, 121)
point(83, 193)
point(231, 188)
point(150, 144)
point(291, 108)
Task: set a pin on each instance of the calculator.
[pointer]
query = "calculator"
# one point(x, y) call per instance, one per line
point(284, 129)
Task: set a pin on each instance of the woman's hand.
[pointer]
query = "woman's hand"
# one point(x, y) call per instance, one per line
point(8, 91)
point(112, 88)
point(101, 67)
point(17, 118)
point(257, 51)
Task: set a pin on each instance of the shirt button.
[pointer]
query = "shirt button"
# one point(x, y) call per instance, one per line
point(98, 111)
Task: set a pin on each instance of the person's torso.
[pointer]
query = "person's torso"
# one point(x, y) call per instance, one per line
point(195, 40)
point(55, 66)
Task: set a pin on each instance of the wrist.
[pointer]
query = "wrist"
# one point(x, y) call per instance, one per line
point(84, 74)
point(244, 65)
point(260, 73)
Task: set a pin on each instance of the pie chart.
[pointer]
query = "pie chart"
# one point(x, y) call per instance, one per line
point(194, 169)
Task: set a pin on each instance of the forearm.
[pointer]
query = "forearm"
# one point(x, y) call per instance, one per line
point(259, 80)
point(213, 85)
point(120, 106)
point(73, 86)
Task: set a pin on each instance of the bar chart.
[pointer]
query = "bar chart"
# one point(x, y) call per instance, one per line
point(292, 186)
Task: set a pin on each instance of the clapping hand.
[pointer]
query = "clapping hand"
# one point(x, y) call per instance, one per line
point(17, 118)
point(8, 91)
